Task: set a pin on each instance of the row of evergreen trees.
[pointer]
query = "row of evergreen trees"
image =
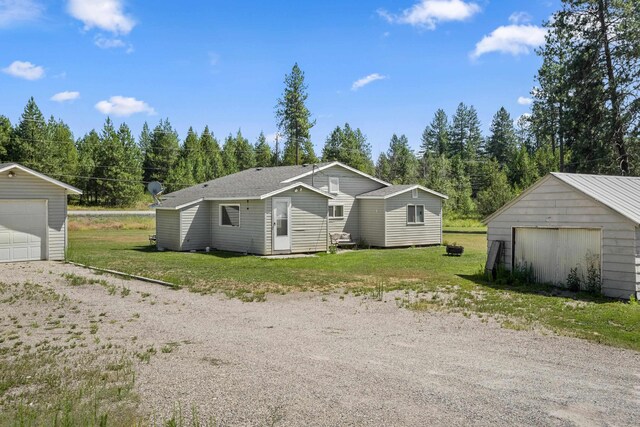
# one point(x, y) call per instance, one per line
point(111, 166)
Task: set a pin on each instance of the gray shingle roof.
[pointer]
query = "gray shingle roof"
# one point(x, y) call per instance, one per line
point(250, 183)
point(392, 190)
point(620, 193)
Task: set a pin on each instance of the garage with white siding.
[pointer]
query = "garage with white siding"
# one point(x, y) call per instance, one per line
point(33, 215)
point(566, 222)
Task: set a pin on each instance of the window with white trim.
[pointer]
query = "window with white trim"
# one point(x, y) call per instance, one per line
point(230, 215)
point(415, 214)
point(334, 185)
point(336, 211)
point(414, 193)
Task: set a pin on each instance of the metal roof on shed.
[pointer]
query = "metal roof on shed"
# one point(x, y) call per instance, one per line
point(619, 193)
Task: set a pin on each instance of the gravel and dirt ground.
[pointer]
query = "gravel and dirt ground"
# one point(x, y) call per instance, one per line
point(310, 359)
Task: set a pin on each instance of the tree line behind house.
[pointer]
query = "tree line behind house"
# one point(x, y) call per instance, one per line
point(585, 117)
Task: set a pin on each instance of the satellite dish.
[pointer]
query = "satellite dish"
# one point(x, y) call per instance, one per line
point(155, 188)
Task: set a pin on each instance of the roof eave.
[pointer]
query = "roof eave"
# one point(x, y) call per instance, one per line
point(71, 189)
point(335, 163)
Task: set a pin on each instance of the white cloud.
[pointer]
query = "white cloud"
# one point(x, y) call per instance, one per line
point(65, 96)
point(24, 70)
point(14, 12)
point(522, 100)
point(429, 13)
point(112, 43)
point(106, 15)
point(512, 39)
point(124, 106)
point(366, 80)
point(520, 18)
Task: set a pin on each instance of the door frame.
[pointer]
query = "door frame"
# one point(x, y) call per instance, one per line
point(273, 223)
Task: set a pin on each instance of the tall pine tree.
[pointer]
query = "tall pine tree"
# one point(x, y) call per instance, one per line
point(501, 144)
point(162, 152)
point(264, 157)
point(294, 120)
point(212, 156)
point(435, 138)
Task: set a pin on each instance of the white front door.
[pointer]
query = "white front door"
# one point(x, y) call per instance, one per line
point(23, 230)
point(281, 224)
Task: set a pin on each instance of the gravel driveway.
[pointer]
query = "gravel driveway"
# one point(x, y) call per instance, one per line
point(307, 359)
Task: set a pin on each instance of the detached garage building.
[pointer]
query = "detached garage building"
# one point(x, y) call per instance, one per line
point(567, 221)
point(33, 215)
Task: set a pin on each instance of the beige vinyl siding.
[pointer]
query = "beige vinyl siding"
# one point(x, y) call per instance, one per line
point(351, 185)
point(25, 186)
point(168, 229)
point(248, 237)
point(638, 262)
point(555, 204)
point(195, 224)
point(308, 221)
point(399, 233)
point(372, 221)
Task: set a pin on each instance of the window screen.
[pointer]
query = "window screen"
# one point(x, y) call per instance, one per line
point(415, 214)
point(230, 215)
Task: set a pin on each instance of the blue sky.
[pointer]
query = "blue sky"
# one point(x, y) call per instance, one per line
point(222, 63)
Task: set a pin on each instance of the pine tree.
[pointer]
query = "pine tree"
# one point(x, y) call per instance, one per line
point(144, 140)
point(245, 156)
point(264, 157)
point(383, 168)
point(435, 138)
point(162, 153)
point(180, 176)
point(349, 147)
point(6, 132)
point(213, 165)
point(294, 120)
point(61, 155)
point(194, 156)
point(402, 162)
point(465, 136)
point(501, 144)
point(119, 172)
point(88, 159)
point(28, 144)
point(229, 158)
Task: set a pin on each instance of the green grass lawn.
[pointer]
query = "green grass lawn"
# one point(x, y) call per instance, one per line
point(440, 282)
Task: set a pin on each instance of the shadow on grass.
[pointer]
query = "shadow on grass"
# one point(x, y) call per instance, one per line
point(217, 254)
point(445, 231)
point(545, 290)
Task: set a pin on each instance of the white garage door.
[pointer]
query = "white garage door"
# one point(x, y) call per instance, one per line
point(23, 231)
point(553, 252)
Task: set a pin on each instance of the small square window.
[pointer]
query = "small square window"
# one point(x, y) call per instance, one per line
point(414, 193)
point(230, 215)
point(334, 185)
point(336, 211)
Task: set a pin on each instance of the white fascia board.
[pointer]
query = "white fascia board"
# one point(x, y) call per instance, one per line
point(296, 185)
point(342, 165)
point(413, 187)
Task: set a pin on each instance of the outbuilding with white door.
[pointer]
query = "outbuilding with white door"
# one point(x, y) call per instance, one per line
point(33, 215)
point(573, 221)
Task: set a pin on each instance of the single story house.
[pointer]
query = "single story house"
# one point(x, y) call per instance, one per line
point(33, 215)
point(573, 221)
point(293, 209)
